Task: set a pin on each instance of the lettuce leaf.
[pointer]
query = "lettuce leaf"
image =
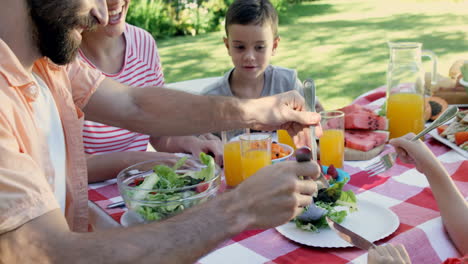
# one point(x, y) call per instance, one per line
point(314, 226)
point(328, 199)
point(348, 199)
point(206, 173)
point(166, 178)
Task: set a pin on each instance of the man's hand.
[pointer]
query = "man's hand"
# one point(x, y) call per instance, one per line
point(275, 194)
point(284, 111)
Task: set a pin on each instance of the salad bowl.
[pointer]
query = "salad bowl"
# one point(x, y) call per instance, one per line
point(155, 190)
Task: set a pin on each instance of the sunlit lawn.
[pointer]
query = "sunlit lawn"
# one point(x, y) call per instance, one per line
point(341, 44)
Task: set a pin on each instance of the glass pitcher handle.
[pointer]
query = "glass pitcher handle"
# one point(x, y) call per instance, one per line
point(433, 57)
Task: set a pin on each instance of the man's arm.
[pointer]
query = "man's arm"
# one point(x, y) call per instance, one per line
point(176, 240)
point(160, 111)
point(184, 238)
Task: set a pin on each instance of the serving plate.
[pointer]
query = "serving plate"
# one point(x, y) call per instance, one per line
point(371, 221)
point(461, 105)
point(453, 146)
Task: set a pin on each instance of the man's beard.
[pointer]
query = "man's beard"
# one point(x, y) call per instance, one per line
point(53, 23)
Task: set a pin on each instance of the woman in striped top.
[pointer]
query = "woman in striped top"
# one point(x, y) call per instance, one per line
point(129, 55)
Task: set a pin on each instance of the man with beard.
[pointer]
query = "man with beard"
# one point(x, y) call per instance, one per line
point(42, 152)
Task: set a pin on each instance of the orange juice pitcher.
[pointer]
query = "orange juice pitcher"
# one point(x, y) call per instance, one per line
point(405, 87)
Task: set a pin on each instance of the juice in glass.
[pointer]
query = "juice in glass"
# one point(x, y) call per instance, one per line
point(255, 152)
point(253, 160)
point(332, 141)
point(285, 138)
point(232, 163)
point(405, 113)
point(332, 147)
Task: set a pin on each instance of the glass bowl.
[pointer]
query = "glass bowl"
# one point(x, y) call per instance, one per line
point(155, 202)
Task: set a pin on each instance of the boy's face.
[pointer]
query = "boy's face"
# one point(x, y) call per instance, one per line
point(251, 48)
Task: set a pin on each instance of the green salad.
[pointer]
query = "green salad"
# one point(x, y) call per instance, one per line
point(329, 199)
point(167, 203)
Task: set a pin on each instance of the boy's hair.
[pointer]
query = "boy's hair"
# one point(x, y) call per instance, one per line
point(252, 12)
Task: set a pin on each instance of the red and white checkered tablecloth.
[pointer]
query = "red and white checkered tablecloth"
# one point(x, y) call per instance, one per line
point(401, 189)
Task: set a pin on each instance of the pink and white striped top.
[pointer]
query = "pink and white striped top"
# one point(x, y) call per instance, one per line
point(142, 68)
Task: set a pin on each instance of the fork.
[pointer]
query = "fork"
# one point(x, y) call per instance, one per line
point(386, 161)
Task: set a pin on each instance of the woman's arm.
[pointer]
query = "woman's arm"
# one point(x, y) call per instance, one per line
point(106, 166)
point(191, 145)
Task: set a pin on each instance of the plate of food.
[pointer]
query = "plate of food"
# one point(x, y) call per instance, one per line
point(280, 152)
point(371, 221)
point(454, 134)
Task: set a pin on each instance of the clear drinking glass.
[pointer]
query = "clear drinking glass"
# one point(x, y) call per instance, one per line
point(232, 157)
point(255, 152)
point(332, 141)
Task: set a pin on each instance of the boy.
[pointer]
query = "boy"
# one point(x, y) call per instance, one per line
point(251, 39)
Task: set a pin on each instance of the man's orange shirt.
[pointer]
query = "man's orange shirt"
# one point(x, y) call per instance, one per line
point(26, 172)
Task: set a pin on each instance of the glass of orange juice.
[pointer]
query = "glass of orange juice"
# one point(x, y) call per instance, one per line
point(255, 152)
point(332, 141)
point(285, 138)
point(232, 157)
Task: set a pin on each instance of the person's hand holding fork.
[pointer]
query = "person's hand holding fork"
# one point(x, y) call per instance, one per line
point(452, 205)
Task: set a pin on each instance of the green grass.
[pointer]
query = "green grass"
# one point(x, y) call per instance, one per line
point(342, 44)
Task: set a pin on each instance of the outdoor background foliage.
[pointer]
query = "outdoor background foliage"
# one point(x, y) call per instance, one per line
point(341, 44)
point(165, 18)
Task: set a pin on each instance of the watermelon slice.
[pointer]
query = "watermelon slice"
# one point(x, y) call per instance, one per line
point(365, 140)
point(365, 120)
point(354, 154)
point(354, 108)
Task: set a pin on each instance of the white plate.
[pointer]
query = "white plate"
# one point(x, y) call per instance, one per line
point(460, 105)
point(436, 135)
point(130, 219)
point(371, 221)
